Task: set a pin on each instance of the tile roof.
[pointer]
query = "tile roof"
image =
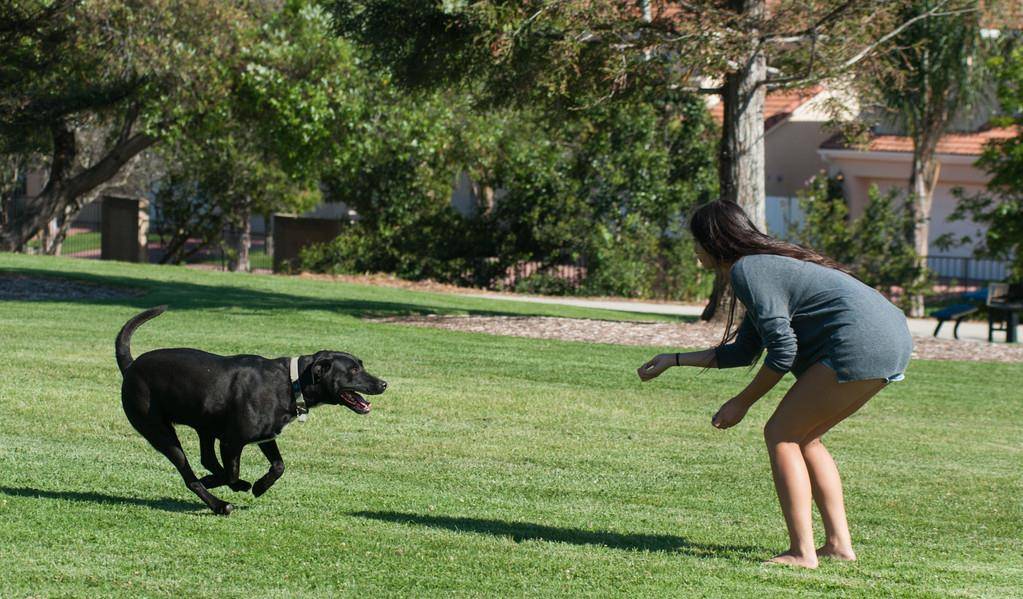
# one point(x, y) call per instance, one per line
point(963, 144)
point(778, 105)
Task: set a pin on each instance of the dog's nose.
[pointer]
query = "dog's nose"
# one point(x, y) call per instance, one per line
point(383, 385)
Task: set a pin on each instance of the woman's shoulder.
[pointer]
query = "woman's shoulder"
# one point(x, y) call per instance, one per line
point(756, 265)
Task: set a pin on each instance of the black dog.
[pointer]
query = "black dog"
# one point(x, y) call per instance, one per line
point(236, 399)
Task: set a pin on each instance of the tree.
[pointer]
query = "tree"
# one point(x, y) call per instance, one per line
point(605, 187)
point(929, 78)
point(875, 246)
point(136, 72)
point(263, 147)
point(567, 53)
point(1000, 209)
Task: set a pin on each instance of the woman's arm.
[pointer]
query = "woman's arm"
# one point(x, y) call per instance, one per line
point(661, 362)
point(735, 409)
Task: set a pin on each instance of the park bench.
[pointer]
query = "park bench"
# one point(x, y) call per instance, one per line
point(958, 313)
point(1004, 304)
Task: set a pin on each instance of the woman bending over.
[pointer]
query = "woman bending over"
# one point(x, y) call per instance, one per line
point(841, 339)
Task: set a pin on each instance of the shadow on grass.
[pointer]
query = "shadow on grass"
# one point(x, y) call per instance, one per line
point(181, 295)
point(166, 504)
point(527, 531)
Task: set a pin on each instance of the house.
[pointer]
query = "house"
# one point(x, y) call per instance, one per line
point(799, 144)
point(885, 161)
point(795, 126)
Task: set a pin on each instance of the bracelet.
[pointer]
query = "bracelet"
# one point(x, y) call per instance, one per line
point(676, 360)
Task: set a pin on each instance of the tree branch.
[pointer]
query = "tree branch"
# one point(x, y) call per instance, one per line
point(805, 76)
point(865, 52)
point(931, 13)
point(811, 30)
point(108, 166)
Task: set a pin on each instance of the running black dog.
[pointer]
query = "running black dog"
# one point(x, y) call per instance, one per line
point(236, 399)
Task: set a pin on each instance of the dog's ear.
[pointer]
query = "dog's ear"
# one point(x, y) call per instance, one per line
point(320, 368)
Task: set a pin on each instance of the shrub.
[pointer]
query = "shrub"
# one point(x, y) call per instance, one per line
point(877, 247)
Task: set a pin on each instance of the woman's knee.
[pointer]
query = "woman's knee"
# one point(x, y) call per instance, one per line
point(811, 443)
point(777, 431)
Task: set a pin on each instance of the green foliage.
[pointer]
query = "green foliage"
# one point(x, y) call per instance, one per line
point(934, 72)
point(876, 247)
point(1000, 209)
point(607, 188)
point(261, 149)
point(564, 54)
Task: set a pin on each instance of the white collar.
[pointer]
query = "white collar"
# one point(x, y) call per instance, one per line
point(296, 392)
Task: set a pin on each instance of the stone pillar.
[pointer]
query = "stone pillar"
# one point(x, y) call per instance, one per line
point(124, 229)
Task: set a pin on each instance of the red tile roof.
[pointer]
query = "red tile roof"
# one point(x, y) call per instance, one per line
point(963, 144)
point(778, 105)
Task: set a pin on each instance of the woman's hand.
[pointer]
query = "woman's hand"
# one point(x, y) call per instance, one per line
point(655, 367)
point(731, 413)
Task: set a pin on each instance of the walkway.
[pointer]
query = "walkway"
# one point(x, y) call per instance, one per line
point(920, 327)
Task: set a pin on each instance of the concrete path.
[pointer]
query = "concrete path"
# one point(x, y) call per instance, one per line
point(605, 304)
point(922, 327)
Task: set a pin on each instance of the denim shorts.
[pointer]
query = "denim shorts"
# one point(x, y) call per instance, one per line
point(892, 379)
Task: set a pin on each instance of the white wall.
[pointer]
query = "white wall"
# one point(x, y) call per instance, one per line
point(782, 214)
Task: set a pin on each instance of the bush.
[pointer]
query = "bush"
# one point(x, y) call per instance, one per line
point(608, 188)
point(877, 247)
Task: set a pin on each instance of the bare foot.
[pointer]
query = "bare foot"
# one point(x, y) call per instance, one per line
point(844, 554)
point(791, 558)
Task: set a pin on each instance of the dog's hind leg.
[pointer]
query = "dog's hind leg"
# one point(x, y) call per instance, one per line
point(165, 440)
point(273, 454)
point(232, 455)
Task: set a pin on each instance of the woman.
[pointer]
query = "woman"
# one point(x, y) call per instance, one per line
point(841, 339)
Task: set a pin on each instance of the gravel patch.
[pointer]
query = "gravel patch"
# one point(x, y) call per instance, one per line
point(28, 288)
point(671, 335)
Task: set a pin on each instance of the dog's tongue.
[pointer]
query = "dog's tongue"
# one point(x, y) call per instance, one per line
point(355, 400)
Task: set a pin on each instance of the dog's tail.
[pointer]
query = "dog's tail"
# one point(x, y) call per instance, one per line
point(122, 346)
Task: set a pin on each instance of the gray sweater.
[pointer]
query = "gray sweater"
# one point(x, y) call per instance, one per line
point(802, 313)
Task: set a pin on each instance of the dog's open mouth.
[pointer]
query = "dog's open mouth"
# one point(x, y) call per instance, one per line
point(355, 402)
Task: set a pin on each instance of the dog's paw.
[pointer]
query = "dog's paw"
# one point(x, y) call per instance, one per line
point(240, 485)
point(260, 487)
point(224, 509)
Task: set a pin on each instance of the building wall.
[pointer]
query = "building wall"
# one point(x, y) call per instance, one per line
point(791, 157)
point(890, 170)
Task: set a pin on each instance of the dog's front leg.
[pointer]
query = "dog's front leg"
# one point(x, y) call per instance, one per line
point(216, 477)
point(231, 453)
point(273, 454)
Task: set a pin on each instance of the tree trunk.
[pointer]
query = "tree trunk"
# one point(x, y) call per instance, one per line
point(63, 193)
point(240, 241)
point(741, 152)
point(268, 234)
point(483, 197)
point(923, 180)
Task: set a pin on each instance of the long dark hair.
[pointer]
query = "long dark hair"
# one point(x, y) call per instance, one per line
point(727, 234)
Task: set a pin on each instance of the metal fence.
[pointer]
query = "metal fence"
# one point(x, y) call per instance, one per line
point(967, 272)
point(951, 273)
point(84, 240)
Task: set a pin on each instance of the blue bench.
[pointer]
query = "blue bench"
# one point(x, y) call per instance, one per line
point(957, 313)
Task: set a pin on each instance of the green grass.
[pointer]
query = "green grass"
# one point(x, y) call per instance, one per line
point(75, 242)
point(493, 466)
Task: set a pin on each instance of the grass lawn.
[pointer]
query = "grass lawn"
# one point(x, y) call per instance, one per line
point(492, 466)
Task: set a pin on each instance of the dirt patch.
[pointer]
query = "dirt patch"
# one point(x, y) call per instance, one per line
point(386, 280)
point(671, 335)
point(28, 288)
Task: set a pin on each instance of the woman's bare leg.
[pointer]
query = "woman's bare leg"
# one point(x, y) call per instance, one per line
point(827, 486)
point(816, 402)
